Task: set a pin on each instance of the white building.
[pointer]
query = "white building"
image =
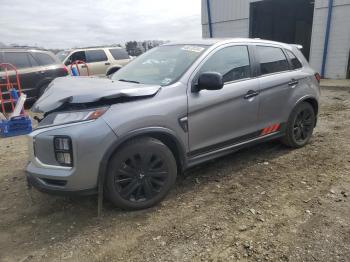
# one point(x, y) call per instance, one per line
point(321, 26)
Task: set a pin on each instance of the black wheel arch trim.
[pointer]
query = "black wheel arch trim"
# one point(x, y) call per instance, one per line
point(154, 132)
point(309, 99)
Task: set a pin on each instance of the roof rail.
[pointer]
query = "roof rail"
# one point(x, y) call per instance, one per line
point(23, 47)
point(298, 46)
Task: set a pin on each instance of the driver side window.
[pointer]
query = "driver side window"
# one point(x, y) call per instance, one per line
point(231, 62)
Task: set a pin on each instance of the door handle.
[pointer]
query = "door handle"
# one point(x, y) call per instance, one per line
point(293, 83)
point(83, 66)
point(250, 94)
point(107, 63)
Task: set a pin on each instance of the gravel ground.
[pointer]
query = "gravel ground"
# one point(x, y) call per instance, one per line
point(264, 203)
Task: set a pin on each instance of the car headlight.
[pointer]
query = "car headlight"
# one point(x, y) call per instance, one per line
point(60, 118)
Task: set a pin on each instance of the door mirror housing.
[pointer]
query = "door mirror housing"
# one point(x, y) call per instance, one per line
point(209, 81)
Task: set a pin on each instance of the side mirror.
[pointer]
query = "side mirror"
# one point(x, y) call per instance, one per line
point(209, 81)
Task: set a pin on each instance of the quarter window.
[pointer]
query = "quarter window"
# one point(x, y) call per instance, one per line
point(44, 59)
point(272, 60)
point(95, 56)
point(296, 64)
point(18, 59)
point(119, 54)
point(232, 62)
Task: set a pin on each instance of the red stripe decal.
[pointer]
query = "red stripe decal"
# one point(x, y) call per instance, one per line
point(277, 126)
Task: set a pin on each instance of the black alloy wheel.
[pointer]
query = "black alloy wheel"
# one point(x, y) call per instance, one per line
point(303, 125)
point(141, 173)
point(141, 176)
point(300, 126)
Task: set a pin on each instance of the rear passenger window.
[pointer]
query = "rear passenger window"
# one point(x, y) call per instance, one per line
point(232, 62)
point(32, 61)
point(79, 55)
point(95, 56)
point(272, 60)
point(119, 54)
point(18, 59)
point(296, 64)
point(44, 59)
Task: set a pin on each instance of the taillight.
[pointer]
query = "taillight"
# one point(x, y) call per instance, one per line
point(318, 77)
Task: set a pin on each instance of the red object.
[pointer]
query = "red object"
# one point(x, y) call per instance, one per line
point(270, 129)
point(79, 62)
point(8, 85)
point(318, 77)
point(65, 69)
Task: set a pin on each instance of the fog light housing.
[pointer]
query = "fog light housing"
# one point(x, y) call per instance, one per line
point(63, 150)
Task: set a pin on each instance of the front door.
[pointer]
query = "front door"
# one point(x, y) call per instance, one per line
point(224, 117)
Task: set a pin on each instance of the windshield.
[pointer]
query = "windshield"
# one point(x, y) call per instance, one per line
point(62, 55)
point(160, 66)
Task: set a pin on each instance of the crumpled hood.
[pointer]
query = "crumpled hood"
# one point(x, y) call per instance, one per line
point(80, 90)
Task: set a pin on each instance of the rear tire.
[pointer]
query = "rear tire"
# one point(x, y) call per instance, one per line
point(300, 126)
point(140, 174)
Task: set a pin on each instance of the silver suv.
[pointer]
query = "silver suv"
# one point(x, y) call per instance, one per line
point(173, 107)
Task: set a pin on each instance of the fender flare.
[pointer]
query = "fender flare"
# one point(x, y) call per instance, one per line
point(147, 131)
point(314, 103)
point(308, 98)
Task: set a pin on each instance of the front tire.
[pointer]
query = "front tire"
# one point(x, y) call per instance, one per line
point(140, 174)
point(300, 126)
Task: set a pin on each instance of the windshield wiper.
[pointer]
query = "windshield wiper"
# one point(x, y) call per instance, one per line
point(129, 81)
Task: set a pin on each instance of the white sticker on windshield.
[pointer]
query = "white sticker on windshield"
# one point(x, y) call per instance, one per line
point(193, 48)
point(166, 81)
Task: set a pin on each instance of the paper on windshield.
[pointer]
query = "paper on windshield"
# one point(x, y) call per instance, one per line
point(193, 48)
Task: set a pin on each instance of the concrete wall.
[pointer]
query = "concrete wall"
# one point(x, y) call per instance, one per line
point(230, 18)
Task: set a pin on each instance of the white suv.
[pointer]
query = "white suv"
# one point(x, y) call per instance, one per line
point(99, 60)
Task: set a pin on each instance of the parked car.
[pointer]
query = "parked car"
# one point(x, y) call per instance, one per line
point(172, 108)
point(99, 60)
point(36, 68)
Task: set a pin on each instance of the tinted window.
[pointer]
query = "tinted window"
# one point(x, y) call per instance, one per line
point(294, 60)
point(95, 56)
point(32, 61)
point(18, 59)
point(80, 55)
point(119, 54)
point(44, 59)
point(272, 60)
point(232, 62)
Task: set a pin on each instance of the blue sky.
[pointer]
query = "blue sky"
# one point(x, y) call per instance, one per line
point(67, 23)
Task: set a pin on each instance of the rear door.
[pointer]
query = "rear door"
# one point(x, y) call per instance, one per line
point(276, 85)
point(120, 56)
point(220, 118)
point(97, 61)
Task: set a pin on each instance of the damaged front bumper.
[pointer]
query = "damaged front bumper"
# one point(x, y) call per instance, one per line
point(89, 141)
